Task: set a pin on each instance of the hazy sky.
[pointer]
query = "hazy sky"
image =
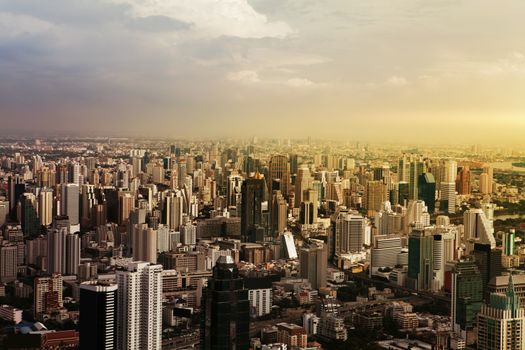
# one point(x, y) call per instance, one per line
point(362, 69)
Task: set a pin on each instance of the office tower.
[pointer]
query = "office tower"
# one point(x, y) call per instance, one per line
point(384, 252)
point(56, 250)
point(288, 250)
point(47, 294)
point(173, 210)
point(233, 190)
point(416, 168)
point(294, 163)
point(306, 215)
point(349, 233)
point(508, 242)
point(420, 259)
point(313, 263)
point(8, 262)
point(188, 234)
point(477, 229)
point(403, 193)
point(251, 206)
point(139, 307)
point(98, 313)
point(278, 168)
point(488, 260)
point(4, 212)
point(45, 206)
point(501, 325)
point(144, 243)
point(402, 169)
point(417, 215)
point(467, 295)
point(158, 174)
point(126, 203)
point(72, 254)
point(427, 190)
point(136, 165)
point(448, 197)
point(303, 182)
point(30, 221)
point(463, 181)
point(375, 195)
point(225, 313)
point(164, 240)
point(88, 203)
point(181, 173)
point(69, 202)
point(487, 180)
point(15, 188)
point(279, 214)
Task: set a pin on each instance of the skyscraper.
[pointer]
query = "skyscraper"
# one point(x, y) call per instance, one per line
point(313, 263)
point(45, 206)
point(279, 168)
point(416, 168)
point(69, 202)
point(139, 307)
point(488, 260)
point(98, 314)
point(508, 242)
point(144, 243)
point(225, 314)
point(279, 213)
point(349, 233)
point(501, 325)
point(29, 219)
point(251, 206)
point(427, 190)
point(467, 295)
point(420, 260)
point(72, 254)
point(47, 294)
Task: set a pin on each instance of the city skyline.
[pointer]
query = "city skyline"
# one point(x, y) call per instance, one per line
point(370, 72)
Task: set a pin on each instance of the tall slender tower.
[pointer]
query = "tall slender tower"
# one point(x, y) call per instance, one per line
point(225, 314)
point(98, 313)
point(139, 307)
point(279, 168)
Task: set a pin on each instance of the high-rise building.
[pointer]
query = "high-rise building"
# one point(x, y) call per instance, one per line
point(173, 210)
point(427, 190)
point(313, 263)
point(467, 295)
point(349, 233)
point(420, 260)
point(279, 168)
point(98, 315)
point(69, 202)
point(233, 190)
point(508, 242)
point(279, 214)
point(8, 262)
point(47, 294)
point(45, 206)
point(126, 203)
point(30, 221)
point(139, 307)
point(56, 256)
point(478, 229)
point(303, 182)
point(448, 197)
point(251, 206)
point(72, 254)
point(463, 181)
point(375, 195)
point(225, 313)
point(416, 168)
point(188, 234)
point(488, 260)
point(144, 243)
point(501, 325)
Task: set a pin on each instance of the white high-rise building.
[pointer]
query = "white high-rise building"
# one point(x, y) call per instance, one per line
point(188, 234)
point(139, 311)
point(448, 196)
point(477, 229)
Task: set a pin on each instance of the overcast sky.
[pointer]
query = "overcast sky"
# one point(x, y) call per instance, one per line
point(369, 69)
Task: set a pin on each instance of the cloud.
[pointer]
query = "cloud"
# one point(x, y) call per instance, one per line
point(513, 64)
point(244, 76)
point(213, 18)
point(158, 24)
point(300, 83)
point(396, 81)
